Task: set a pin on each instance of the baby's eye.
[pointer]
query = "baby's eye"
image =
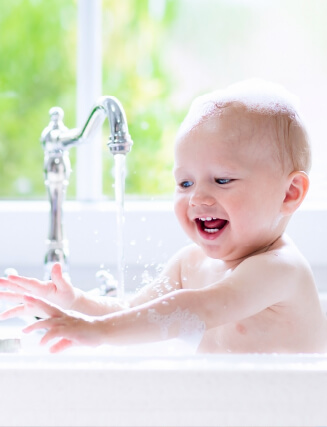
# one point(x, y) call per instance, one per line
point(223, 181)
point(186, 184)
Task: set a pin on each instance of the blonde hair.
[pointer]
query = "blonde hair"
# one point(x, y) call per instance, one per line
point(261, 98)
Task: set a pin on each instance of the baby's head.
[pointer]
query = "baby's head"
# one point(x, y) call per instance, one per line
point(266, 104)
point(241, 162)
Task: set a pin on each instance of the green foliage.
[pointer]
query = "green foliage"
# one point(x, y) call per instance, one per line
point(38, 71)
point(135, 71)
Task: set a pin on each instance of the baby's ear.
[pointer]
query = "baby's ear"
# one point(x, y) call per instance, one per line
point(296, 190)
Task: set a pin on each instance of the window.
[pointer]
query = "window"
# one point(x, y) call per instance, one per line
point(157, 56)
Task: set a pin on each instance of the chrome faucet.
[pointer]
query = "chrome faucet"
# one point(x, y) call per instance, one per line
point(57, 139)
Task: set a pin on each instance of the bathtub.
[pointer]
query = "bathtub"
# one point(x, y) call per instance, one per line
point(155, 385)
point(146, 385)
point(143, 386)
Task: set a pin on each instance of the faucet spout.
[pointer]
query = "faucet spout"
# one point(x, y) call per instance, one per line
point(120, 141)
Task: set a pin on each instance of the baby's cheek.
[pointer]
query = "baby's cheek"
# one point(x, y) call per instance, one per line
point(180, 208)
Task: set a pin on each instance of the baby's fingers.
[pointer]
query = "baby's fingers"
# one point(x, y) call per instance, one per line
point(13, 297)
point(40, 324)
point(13, 312)
point(23, 309)
point(12, 285)
point(40, 307)
point(23, 285)
point(61, 345)
point(34, 286)
point(53, 331)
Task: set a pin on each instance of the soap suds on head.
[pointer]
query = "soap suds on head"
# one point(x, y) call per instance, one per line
point(255, 95)
point(190, 327)
point(259, 95)
point(262, 98)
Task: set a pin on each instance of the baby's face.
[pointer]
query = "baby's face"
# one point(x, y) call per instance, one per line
point(230, 185)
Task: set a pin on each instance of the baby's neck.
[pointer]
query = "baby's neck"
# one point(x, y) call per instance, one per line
point(231, 264)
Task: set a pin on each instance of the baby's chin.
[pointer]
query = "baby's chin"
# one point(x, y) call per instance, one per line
point(232, 256)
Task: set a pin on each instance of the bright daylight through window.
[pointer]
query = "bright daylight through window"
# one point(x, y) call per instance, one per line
point(157, 55)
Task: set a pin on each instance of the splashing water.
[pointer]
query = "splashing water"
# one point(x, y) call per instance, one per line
point(120, 172)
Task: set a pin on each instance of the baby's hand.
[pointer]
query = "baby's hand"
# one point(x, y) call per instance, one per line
point(57, 290)
point(71, 329)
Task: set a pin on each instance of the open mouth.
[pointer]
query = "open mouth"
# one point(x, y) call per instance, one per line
point(211, 225)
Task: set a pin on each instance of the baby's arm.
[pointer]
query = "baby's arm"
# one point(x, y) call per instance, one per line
point(257, 283)
point(60, 292)
point(168, 280)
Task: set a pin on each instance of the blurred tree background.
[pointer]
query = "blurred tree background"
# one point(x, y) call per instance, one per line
point(135, 69)
point(38, 71)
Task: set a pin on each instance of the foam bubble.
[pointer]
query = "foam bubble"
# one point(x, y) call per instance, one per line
point(191, 327)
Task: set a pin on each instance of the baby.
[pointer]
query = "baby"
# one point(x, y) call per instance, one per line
point(241, 163)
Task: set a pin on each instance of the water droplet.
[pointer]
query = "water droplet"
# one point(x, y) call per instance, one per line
point(159, 268)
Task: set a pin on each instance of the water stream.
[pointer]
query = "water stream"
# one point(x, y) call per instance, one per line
point(120, 173)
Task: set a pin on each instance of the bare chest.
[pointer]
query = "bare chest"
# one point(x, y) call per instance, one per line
point(273, 330)
point(254, 334)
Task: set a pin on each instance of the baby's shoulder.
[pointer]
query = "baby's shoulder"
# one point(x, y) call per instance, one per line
point(181, 261)
point(190, 253)
point(191, 260)
point(282, 260)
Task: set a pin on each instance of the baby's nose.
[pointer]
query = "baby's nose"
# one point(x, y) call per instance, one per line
point(202, 197)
